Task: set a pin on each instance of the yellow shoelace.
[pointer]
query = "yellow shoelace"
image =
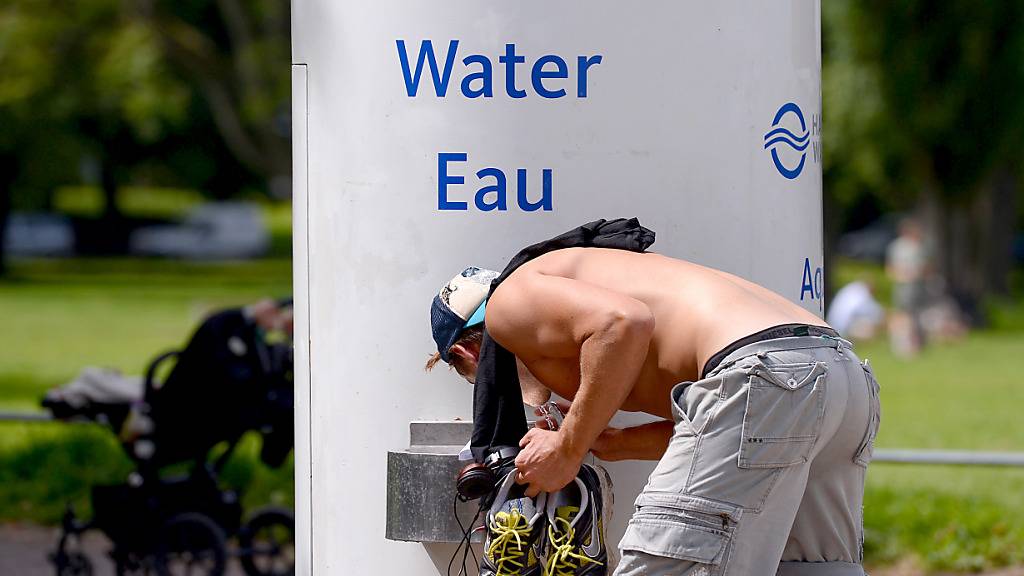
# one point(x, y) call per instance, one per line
point(564, 560)
point(507, 548)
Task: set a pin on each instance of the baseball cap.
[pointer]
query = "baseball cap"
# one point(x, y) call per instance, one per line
point(461, 304)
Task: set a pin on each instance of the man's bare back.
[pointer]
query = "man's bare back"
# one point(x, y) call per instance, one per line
point(697, 311)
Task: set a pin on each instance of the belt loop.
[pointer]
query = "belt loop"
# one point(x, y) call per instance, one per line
point(838, 345)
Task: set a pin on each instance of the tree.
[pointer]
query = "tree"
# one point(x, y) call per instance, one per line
point(192, 93)
point(80, 79)
point(27, 112)
point(238, 56)
point(923, 109)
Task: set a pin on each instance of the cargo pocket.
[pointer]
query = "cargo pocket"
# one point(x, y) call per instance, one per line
point(687, 529)
point(785, 406)
point(867, 446)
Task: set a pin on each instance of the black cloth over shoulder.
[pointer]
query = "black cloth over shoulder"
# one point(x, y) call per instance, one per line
point(498, 416)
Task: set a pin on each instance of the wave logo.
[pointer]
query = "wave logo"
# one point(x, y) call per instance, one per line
point(780, 136)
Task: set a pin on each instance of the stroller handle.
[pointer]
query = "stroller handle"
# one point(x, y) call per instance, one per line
point(150, 384)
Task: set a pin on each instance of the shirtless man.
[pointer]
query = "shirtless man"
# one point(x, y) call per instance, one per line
point(769, 416)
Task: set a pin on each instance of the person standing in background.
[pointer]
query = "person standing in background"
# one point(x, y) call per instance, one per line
point(906, 264)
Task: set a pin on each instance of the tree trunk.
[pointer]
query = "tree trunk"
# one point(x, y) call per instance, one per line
point(830, 223)
point(965, 271)
point(110, 234)
point(971, 243)
point(221, 79)
point(947, 238)
point(996, 212)
point(932, 216)
point(108, 181)
point(5, 211)
point(8, 168)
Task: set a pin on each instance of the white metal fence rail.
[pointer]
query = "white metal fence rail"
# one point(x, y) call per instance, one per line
point(937, 457)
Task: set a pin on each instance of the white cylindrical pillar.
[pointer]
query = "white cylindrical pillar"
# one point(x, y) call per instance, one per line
point(431, 136)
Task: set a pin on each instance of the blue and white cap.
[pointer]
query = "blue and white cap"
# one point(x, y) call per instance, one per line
point(461, 304)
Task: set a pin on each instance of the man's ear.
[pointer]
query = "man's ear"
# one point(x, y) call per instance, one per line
point(463, 352)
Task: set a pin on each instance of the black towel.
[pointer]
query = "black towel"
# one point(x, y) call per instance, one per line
point(498, 416)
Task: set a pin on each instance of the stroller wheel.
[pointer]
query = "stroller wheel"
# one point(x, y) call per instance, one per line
point(74, 564)
point(191, 544)
point(267, 543)
point(131, 565)
point(68, 559)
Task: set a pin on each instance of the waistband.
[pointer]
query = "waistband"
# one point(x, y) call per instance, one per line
point(787, 337)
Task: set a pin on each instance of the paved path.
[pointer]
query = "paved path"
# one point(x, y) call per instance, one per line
point(24, 549)
point(909, 570)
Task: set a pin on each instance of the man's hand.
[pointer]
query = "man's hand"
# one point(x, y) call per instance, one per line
point(542, 422)
point(607, 445)
point(544, 463)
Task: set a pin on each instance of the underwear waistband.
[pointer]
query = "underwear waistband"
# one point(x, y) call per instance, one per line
point(780, 331)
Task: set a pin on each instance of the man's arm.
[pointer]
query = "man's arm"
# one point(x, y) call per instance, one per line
point(538, 317)
point(644, 442)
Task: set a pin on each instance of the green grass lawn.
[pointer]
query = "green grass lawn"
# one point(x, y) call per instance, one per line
point(966, 395)
point(61, 315)
point(960, 396)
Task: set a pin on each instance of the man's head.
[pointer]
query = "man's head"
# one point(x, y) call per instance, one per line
point(909, 227)
point(456, 320)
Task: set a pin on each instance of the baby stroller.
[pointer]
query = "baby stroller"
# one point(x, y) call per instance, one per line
point(232, 377)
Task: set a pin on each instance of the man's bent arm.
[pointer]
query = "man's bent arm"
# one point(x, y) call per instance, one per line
point(610, 362)
point(644, 442)
point(540, 317)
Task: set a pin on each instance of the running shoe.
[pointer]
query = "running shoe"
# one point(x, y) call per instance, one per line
point(515, 526)
point(576, 519)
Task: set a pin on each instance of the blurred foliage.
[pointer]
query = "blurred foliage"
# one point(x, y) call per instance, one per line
point(923, 112)
point(237, 55)
point(171, 204)
point(921, 94)
point(79, 77)
point(189, 94)
point(45, 467)
point(138, 201)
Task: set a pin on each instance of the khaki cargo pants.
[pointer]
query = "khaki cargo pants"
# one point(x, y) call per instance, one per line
point(765, 472)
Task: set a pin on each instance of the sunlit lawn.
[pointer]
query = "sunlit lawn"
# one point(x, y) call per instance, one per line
point(966, 396)
point(61, 315)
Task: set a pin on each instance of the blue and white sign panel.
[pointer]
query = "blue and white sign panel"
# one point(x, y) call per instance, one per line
point(431, 136)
